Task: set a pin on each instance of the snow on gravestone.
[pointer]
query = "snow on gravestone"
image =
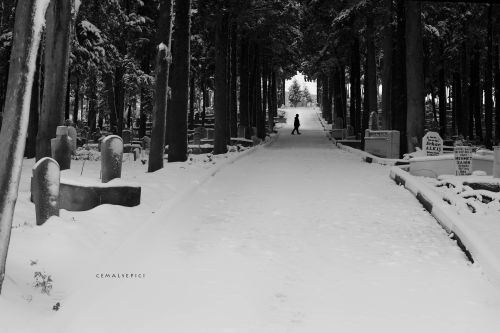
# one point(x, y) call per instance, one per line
point(463, 160)
point(111, 158)
point(45, 189)
point(432, 144)
point(61, 147)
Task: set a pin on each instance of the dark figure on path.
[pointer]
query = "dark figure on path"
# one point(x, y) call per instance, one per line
point(296, 125)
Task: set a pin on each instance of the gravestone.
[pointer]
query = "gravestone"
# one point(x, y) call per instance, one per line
point(338, 123)
point(146, 142)
point(202, 131)
point(73, 136)
point(197, 138)
point(61, 147)
point(126, 136)
point(111, 158)
point(210, 133)
point(241, 131)
point(373, 122)
point(45, 189)
point(463, 160)
point(496, 162)
point(432, 144)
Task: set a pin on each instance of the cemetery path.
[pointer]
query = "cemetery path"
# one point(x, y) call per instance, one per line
point(296, 237)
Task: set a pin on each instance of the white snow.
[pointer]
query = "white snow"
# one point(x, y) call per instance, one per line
point(297, 236)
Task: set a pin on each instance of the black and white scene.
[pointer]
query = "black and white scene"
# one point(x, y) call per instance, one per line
point(249, 166)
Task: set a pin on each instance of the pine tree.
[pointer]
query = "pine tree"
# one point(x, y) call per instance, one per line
point(294, 93)
point(306, 96)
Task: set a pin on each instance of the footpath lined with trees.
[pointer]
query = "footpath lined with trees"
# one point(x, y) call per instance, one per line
point(161, 68)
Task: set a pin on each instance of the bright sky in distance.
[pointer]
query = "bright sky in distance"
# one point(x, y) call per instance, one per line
point(311, 86)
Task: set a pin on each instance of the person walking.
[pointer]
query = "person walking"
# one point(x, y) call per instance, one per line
point(296, 125)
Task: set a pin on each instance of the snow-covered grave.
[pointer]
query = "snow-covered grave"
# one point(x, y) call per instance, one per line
point(382, 143)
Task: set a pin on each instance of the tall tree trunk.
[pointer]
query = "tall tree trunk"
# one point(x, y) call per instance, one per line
point(331, 93)
point(488, 84)
point(497, 93)
point(205, 104)
point(221, 42)
point(77, 100)
point(457, 102)
point(191, 100)
point(465, 75)
point(265, 91)
point(68, 90)
point(442, 95)
point(26, 41)
point(119, 95)
point(177, 149)
point(274, 93)
point(259, 114)
point(476, 95)
point(57, 48)
point(398, 93)
point(337, 96)
point(163, 60)
point(30, 149)
point(234, 81)
point(355, 86)
point(343, 93)
point(92, 105)
point(110, 95)
point(251, 89)
point(371, 69)
point(415, 76)
point(244, 87)
point(366, 105)
point(387, 65)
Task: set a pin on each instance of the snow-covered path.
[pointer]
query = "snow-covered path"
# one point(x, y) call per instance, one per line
point(296, 237)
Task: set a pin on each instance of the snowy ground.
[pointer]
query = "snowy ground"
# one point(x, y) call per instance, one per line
point(296, 237)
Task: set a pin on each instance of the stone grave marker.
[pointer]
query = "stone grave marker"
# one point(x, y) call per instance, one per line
point(241, 131)
point(61, 147)
point(210, 133)
point(197, 138)
point(463, 160)
point(73, 136)
point(373, 121)
point(45, 189)
point(111, 158)
point(496, 162)
point(432, 144)
point(126, 136)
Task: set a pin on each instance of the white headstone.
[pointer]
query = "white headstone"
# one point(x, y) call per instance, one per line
point(463, 160)
point(432, 144)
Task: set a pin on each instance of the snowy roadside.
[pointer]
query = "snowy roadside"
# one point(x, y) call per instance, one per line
point(63, 248)
point(478, 232)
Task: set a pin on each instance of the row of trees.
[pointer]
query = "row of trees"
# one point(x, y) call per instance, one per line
point(447, 51)
point(104, 61)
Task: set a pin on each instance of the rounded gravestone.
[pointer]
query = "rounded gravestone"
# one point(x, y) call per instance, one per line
point(496, 162)
point(61, 147)
point(111, 157)
point(45, 189)
point(432, 144)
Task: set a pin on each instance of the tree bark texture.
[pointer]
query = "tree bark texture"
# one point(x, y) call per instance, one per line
point(415, 76)
point(221, 42)
point(177, 143)
point(57, 51)
point(26, 41)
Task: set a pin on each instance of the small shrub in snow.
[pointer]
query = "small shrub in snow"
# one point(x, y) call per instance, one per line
point(43, 281)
